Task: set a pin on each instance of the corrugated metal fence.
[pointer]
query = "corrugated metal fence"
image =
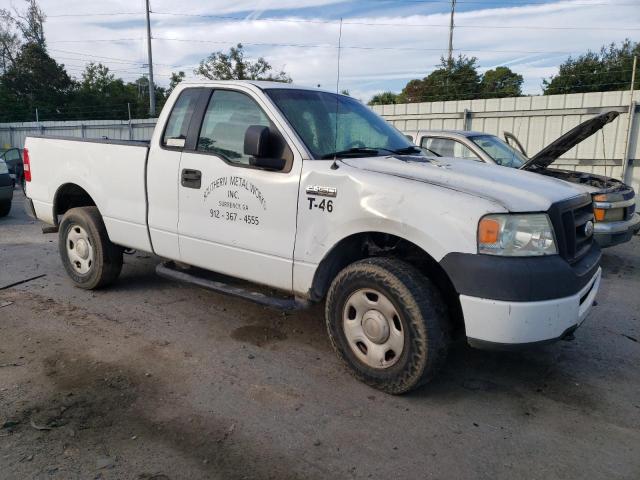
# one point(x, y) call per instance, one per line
point(537, 121)
point(13, 134)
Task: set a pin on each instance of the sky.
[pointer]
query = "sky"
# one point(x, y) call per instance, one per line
point(385, 43)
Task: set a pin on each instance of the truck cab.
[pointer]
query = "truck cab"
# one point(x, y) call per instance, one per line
point(289, 196)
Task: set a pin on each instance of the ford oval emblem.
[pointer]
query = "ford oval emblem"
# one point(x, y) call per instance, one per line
point(588, 228)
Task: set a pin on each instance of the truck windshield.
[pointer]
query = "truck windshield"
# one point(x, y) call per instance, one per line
point(317, 116)
point(502, 153)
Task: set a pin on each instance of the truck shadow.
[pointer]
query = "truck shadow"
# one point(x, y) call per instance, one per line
point(553, 371)
point(527, 378)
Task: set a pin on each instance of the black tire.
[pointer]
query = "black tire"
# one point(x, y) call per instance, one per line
point(5, 208)
point(107, 257)
point(422, 314)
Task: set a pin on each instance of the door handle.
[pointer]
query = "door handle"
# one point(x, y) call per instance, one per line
point(191, 178)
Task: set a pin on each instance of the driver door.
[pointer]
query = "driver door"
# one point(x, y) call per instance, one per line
point(236, 218)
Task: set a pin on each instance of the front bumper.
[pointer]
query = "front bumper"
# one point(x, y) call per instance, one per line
point(504, 324)
point(608, 234)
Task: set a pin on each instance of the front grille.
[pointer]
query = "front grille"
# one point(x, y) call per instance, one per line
point(629, 211)
point(569, 219)
point(582, 242)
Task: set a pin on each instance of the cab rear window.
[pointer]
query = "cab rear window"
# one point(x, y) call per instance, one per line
point(175, 135)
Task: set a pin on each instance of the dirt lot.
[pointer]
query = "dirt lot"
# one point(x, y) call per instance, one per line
point(156, 380)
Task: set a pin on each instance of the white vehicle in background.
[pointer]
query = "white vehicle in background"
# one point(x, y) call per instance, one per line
point(616, 220)
point(286, 196)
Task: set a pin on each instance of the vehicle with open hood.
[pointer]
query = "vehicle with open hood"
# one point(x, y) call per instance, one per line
point(614, 202)
point(289, 196)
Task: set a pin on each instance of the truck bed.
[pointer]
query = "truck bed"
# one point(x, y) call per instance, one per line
point(112, 170)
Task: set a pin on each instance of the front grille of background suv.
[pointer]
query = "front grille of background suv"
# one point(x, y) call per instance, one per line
point(569, 219)
point(629, 211)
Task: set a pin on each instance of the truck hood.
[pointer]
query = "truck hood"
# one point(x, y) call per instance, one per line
point(514, 190)
point(566, 142)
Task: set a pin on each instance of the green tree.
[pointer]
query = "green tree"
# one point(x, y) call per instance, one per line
point(97, 79)
point(234, 66)
point(31, 23)
point(386, 98)
point(455, 80)
point(98, 94)
point(35, 80)
point(501, 82)
point(176, 78)
point(607, 70)
point(10, 41)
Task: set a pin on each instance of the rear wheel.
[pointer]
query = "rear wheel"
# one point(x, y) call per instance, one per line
point(5, 208)
point(388, 323)
point(88, 256)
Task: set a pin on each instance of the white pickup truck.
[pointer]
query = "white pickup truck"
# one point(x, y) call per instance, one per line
point(294, 195)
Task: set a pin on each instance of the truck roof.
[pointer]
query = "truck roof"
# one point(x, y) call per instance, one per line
point(261, 84)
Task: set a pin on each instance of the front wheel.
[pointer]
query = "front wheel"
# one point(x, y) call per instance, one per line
point(388, 323)
point(88, 256)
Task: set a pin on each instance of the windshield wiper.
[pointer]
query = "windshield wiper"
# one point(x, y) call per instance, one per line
point(351, 151)
point(431, 151)
point(405, 150)
point(371, 150)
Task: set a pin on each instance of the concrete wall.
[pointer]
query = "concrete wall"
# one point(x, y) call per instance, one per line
point(537, 121)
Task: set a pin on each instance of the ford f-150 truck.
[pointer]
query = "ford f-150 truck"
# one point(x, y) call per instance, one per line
point(287, 196)
point(614, 202)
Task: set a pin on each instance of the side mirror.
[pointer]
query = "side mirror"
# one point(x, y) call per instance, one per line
point(256, 146)
point(256, 141)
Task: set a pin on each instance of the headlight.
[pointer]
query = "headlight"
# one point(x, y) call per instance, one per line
point(3, 168)
point(516, 235)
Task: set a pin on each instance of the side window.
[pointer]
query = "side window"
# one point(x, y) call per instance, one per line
point(175, 134)
point(446, 147)
point(228, 116)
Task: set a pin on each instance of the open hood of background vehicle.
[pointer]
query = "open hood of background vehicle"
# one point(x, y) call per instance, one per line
point(566, 142)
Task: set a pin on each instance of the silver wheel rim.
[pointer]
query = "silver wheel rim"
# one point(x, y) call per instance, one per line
point(79, 250)
point(373, 328)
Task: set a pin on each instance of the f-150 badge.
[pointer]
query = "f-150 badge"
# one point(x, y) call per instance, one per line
point(322, 191)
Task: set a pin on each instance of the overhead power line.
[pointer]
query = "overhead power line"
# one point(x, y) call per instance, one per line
point(388, 24)
point(310, 45)
point(372, 24)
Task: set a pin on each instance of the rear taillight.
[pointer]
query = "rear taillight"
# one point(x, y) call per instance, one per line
point(27, 165)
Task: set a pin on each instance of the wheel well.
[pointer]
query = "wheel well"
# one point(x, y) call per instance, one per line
point(70, 196)
point(374, 244)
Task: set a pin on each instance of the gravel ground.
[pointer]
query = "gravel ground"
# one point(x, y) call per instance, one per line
point(152, 379)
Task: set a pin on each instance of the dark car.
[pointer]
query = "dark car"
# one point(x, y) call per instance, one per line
point(6, 189)
point(13, 158)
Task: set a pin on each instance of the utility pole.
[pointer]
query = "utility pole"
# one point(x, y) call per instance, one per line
point(152, 89)
point(632, 111)
point(451, 25)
